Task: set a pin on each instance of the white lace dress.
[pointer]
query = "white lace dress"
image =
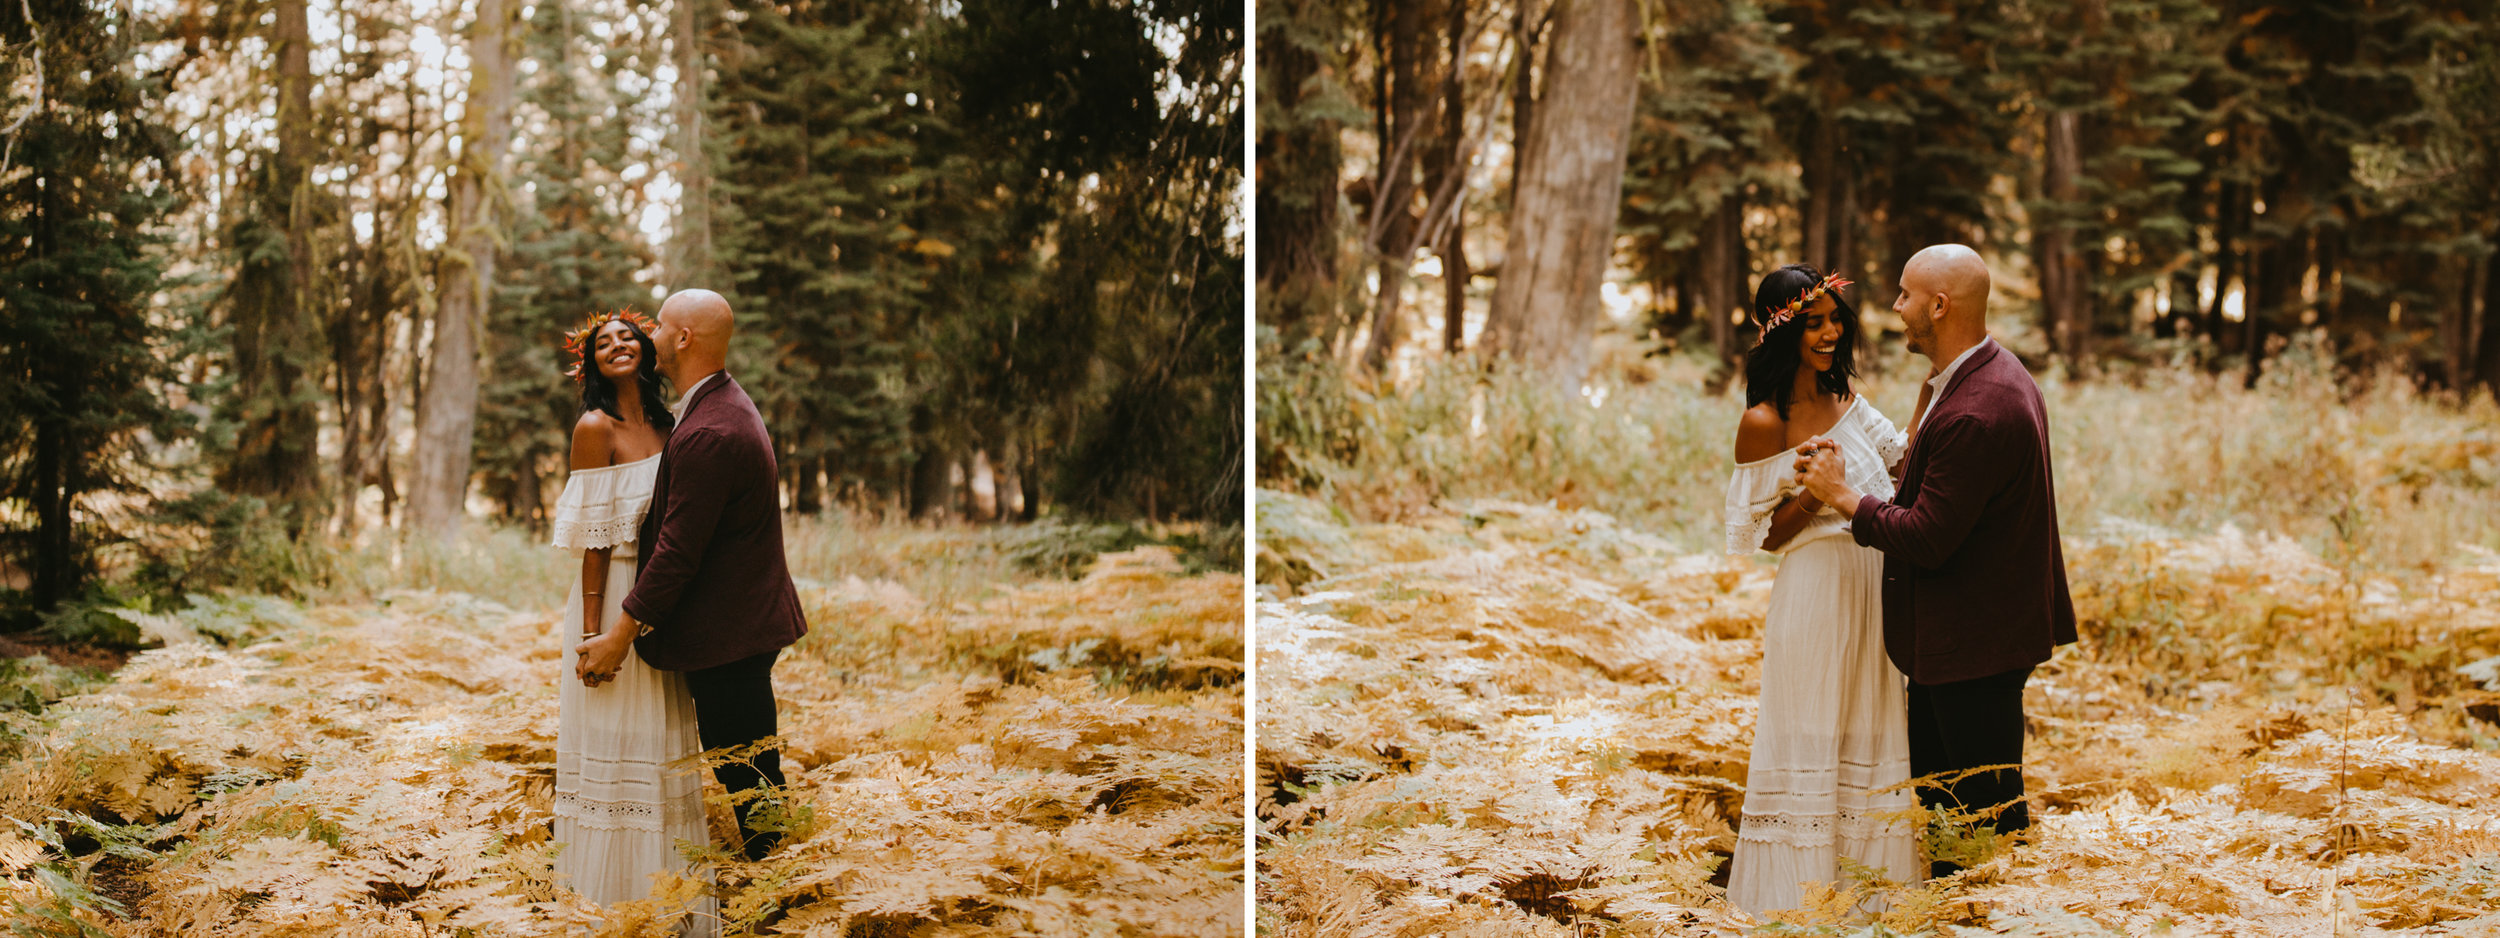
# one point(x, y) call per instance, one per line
point(626, 790)
point(1831, 732)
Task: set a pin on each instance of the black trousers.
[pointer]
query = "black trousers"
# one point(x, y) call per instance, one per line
point(1962, 725)
point(733, 706)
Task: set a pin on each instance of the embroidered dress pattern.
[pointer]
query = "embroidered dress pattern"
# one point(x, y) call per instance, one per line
point(1831, 748)
point(627, 788)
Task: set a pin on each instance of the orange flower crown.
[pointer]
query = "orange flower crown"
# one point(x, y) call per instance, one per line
point(578, 341)
point(1783, 314)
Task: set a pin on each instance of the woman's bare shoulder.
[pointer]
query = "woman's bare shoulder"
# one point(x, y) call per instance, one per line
point(1761, 433)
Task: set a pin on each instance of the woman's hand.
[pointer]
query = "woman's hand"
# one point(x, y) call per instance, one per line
point(596, 659)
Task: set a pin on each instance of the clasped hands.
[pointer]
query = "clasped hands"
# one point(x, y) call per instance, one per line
point(1823, 473)
point(597, 657)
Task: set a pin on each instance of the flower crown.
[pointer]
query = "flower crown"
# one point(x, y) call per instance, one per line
point(578, 341)
point(1785, 313)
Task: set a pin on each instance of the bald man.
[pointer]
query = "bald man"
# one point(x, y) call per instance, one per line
point(712, 595)
point(1975, 590)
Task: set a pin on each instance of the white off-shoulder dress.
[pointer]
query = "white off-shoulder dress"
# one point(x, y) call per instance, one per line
point(1831, 743)
point(627, 789)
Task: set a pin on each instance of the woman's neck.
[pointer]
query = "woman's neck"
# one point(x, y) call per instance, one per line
point(629, 406)
point(1807, 387)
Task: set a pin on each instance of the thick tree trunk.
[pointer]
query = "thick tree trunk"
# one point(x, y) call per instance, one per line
point(690, 247)
point(2274, 276)
point(1562, 218)
point(447, 416)
point(2064, 276)
point(1720, 296)
point(1402, 141)
point(275, 339)
point(1297, 199)
point(1819, 166)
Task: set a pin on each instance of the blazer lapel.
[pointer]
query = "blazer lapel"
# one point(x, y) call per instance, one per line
point(1914, 462)
point(701, 394)
point(1988, 351)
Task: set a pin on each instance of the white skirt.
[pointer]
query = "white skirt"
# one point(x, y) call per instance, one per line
point(1831, 735)
point(627, 788)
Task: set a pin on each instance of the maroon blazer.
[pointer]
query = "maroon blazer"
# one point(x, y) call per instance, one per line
point(1974, 576)
point(711, 585)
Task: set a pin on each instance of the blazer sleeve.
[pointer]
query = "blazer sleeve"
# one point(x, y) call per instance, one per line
point(1964, 471)
point(687, 522)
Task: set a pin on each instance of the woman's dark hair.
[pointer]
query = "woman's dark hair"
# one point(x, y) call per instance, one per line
point(1771, 367)
point(599, 394)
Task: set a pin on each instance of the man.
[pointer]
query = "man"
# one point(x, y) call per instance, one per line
point(1974, 577)
point(712, 595)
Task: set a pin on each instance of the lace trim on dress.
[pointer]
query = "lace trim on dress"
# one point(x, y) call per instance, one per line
point(1818, 830)
point(615, 815)
point(603, 507)
point(1754, 490)
point(1891, 443)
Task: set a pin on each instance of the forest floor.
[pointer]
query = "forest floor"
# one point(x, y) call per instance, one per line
point(1496, 718)
point(971, 753)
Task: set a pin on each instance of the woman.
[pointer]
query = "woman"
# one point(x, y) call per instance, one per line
point(1831, 748)
point(625, 793)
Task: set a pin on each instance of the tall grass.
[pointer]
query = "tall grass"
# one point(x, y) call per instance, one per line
point(2365, 470)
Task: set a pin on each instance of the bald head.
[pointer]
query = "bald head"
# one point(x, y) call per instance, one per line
point(693, 336)
point(1944, 301)
point(1955, 271)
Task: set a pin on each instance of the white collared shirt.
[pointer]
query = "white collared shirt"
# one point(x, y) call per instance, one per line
point(678, 410)
point(1943, 379)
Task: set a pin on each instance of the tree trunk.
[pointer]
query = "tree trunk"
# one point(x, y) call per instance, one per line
point(2229, 203)
point(1298, 160)
point(2456, 332)
point(690, 247)
point(808, 495)
point(1523, 82)
point(1029, 480)
point(1402, 140)
point(2274, 276)
point(447, 415)
point(275, 391)
point(1817, 165)
point(1562, 219)
point(2064, 276)
point(1720, 288)
point(56, 573)
point(2487, 332)
point(1453, 247)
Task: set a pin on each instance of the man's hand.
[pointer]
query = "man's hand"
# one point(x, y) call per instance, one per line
point(598, 658)
point(1824, 473)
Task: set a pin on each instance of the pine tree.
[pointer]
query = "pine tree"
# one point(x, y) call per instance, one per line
point(571, 254)
point(84, 180)
point(819, 178)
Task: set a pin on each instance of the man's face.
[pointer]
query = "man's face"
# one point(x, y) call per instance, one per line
point(1917, 307)
point(664, 338)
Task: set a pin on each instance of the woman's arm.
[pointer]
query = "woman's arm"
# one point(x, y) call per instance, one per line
point(593, 448)
point(1761, 435)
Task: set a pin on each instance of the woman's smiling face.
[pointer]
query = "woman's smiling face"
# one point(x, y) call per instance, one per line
point(618, 355)
point(1819, 342)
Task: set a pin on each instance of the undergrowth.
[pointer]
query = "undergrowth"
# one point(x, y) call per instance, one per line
point(2360, 468)
point(999, 754)
point(1498, 718)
